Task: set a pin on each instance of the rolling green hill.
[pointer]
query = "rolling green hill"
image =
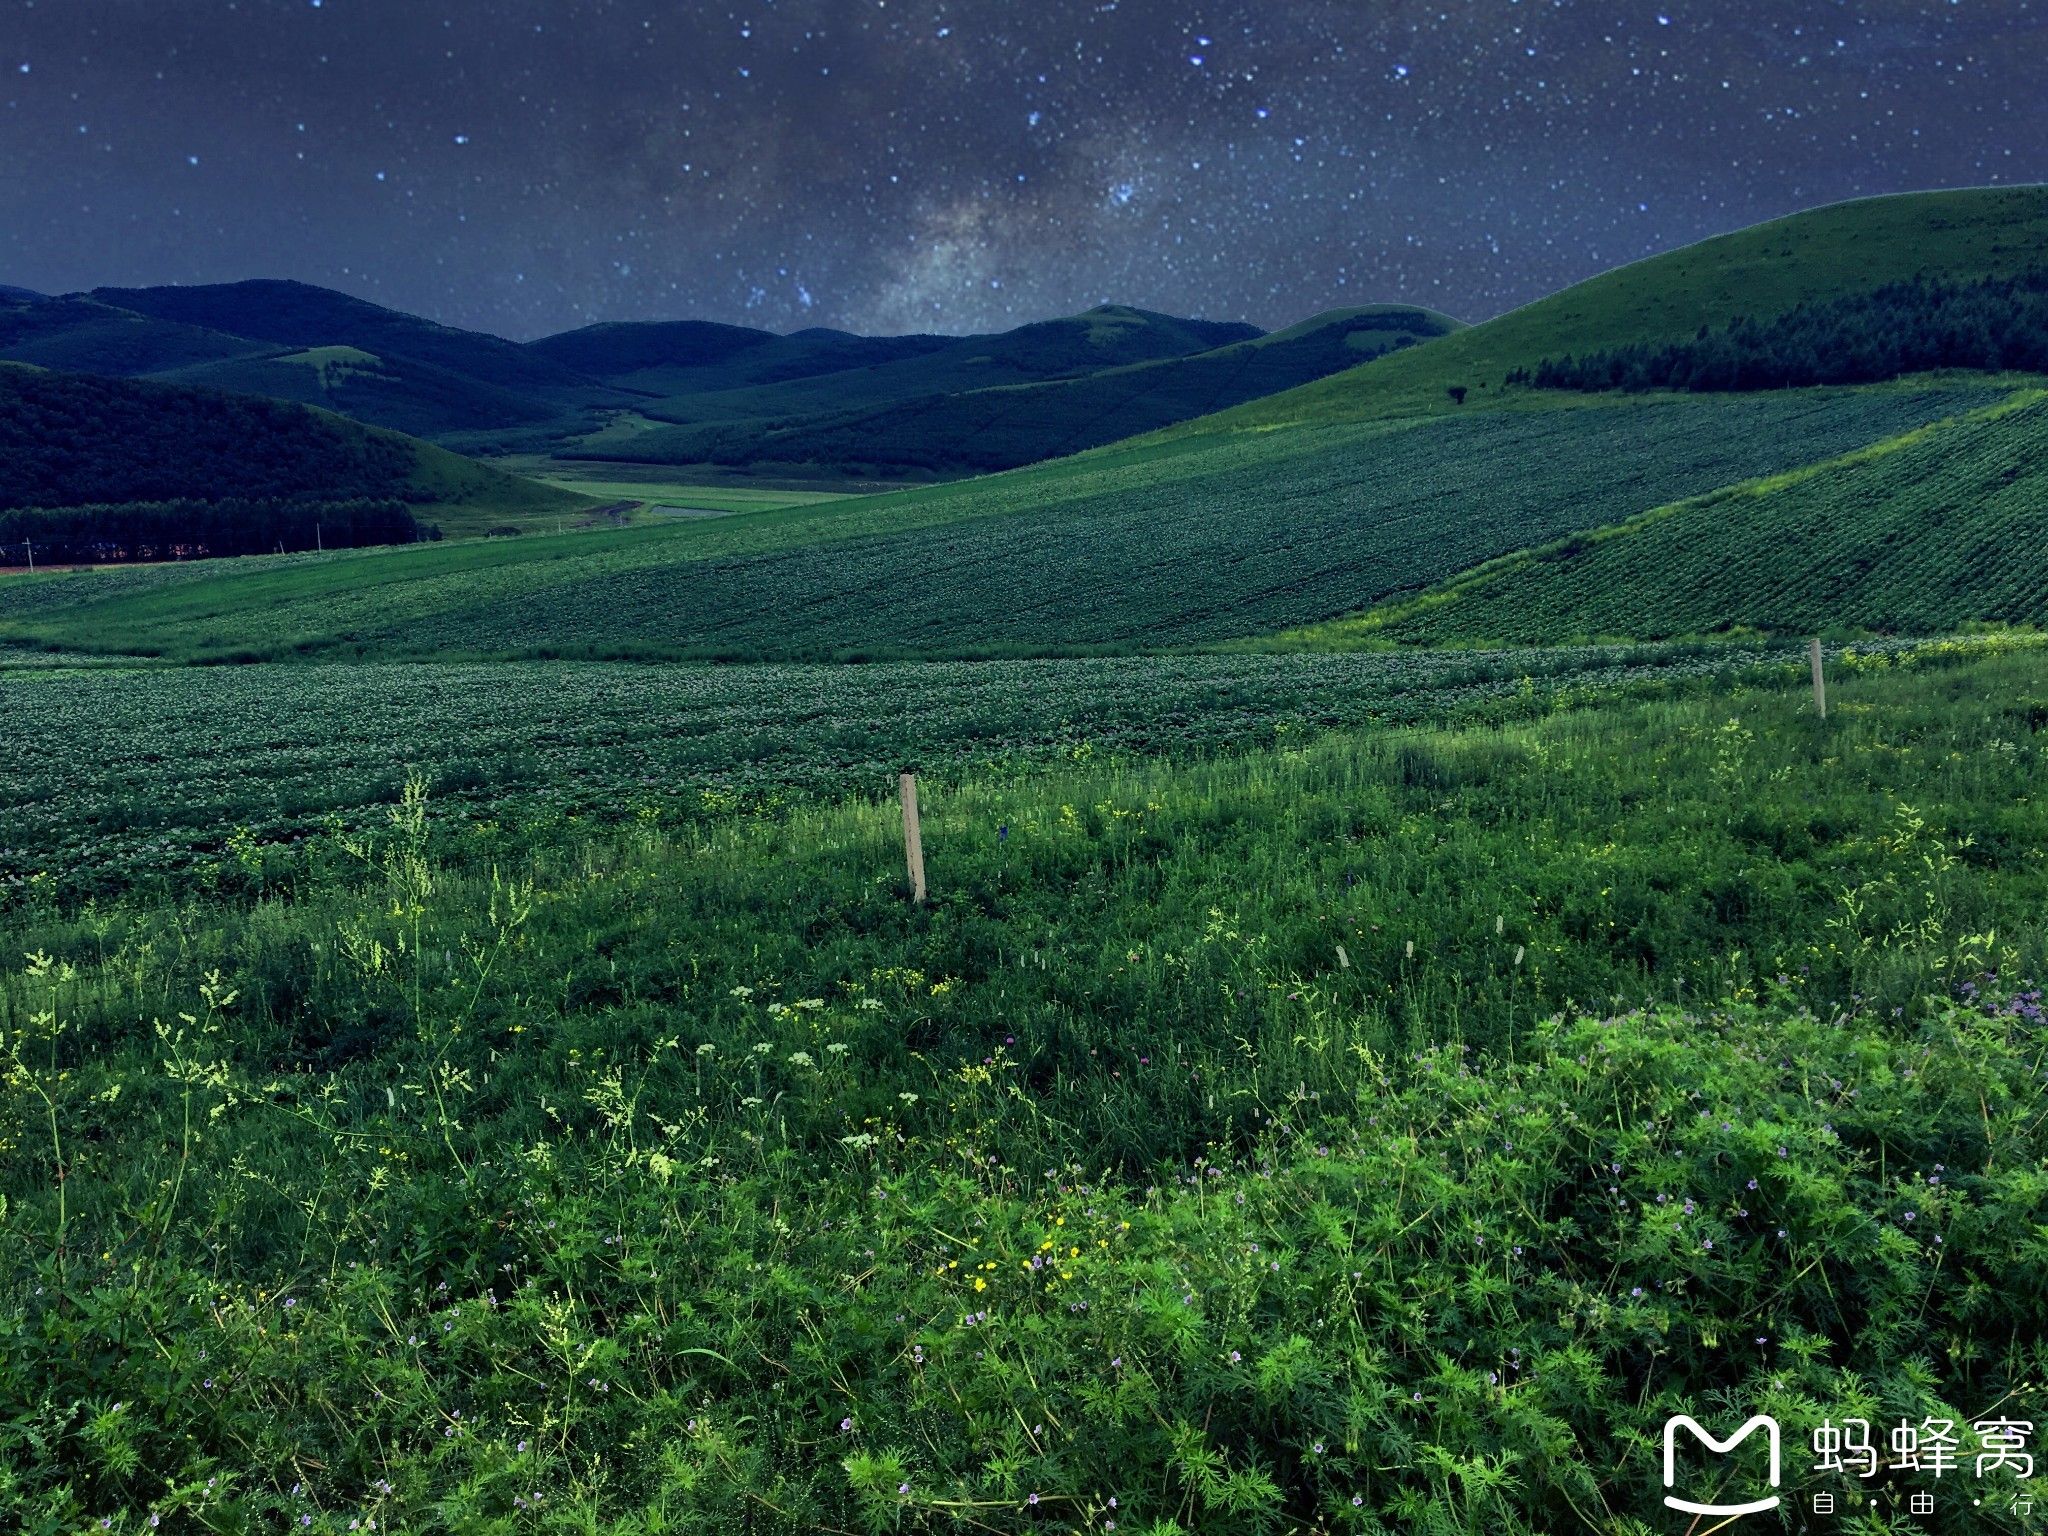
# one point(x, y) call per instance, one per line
point(1763, 271)
point(810, 389)
point(1193, 541)
point(724, 372)
point(293, 342)
point(421, 399)
point(70, 440)
point(673, 392)
point(377, 365)
point(1944, 522)
point(690, 357)
point(298, 315)
point(1002, 427)
point(84, 336)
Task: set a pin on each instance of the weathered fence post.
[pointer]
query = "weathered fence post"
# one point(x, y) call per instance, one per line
point(913, 836)
point(1820, 680)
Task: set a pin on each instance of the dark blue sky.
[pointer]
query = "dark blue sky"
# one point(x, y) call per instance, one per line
point(523, 166)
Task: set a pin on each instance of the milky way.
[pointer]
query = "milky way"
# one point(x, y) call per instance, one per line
point(522, 167)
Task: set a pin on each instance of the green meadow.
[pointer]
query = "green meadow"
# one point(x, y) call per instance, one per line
point(1378, 1132)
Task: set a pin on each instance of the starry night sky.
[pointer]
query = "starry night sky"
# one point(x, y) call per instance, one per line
point(523, 166)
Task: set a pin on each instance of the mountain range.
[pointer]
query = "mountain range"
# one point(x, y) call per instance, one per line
point(818, 402)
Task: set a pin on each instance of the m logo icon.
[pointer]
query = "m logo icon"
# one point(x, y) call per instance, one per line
point(1720, 1447)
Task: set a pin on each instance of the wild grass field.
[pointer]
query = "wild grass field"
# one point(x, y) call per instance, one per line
point(653, 485)
point(1378, 1133)
point(1164, 544)
point(161, 777)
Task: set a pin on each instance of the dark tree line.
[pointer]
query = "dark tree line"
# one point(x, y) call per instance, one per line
point(71, 439)
point(195, 530)
point(1909, 327)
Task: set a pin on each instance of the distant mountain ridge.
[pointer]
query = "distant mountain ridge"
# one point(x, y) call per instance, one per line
point(659, 391)
point(302, 315)
point(1001, 422)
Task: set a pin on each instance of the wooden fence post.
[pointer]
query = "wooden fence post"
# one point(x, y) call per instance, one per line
point(1820, 680)
point(913, 836)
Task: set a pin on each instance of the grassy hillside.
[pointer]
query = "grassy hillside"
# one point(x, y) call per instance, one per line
point(694, 357)
point(1159, 544)
point(635, 391)
point(69, 440)
point(1912, 535)
point(382, 390)
point(982, 429)
point(1758, 272)
point(1230, 1148)
point(84, 336)
point(723, 372)
point(1341, 500)
point(826, 374)
point(300, 315)
point(614, 349)
point(311, 345)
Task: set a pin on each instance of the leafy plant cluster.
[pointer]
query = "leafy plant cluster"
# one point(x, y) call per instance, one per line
point(1995, 324)
point(1314, 1140)
point(190, 530)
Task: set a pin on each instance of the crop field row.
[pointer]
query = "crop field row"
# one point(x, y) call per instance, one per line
point(1946, 525)
point(131, 774)
point(1262, 540)
point(1159, 545)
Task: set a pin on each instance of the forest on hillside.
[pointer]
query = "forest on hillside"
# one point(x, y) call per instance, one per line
point(69, 440)
point(1992, 325)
